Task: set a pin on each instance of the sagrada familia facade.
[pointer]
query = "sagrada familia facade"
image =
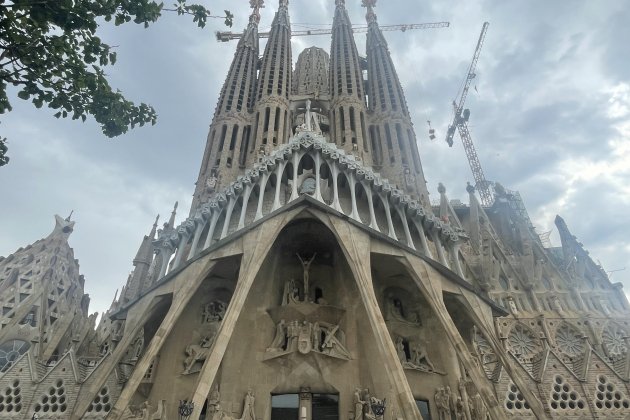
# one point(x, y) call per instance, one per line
point(314, 280)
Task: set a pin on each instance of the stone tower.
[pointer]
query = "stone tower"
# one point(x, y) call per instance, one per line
point(314, 280)
point(347, 107)
point(230, 142)
point(394, 145)
point(43, 304)
point(272, 125)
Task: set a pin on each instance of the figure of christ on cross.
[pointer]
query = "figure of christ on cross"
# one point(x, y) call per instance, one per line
point(306, 265)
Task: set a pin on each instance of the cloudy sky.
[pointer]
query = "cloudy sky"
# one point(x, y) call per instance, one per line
point(550, 118)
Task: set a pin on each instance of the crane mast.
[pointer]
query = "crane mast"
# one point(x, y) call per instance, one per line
point(460, 122)
point(229, 36)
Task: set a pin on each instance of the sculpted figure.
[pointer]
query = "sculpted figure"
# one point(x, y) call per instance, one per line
point(396, 312)
point(332, 345)
point(214, 399)
point(442, 401)
point(358, 404)
point(478, 409)
point(460, 413)
point(306, 265)
point(317, 336)
point(291, 293)
point(197, 353)
point(419, 356)
point(512, 305)
point(400, 350)
point(248, 406)
point(293, 332)
point(278, 340)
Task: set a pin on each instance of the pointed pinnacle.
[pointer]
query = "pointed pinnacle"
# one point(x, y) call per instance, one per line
point(69, 216)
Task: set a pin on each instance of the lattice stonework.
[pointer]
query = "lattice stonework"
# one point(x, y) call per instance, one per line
point(523, 342)
point(101, 404)
point(514, 400)
point(54, 401)
point(608, 396)
point(11, 399)
point(569, 340)
point(564, 397)
point(614, 342)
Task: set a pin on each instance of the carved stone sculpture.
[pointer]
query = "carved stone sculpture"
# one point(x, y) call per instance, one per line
point(358, 404)
point(279, 339)
point(213, 311)
point(512, 305)
point(291, 294)
point(332, 345)
point(478, 409)
point(419, 356)
point(442, 401)
point(306, 265)
point(197, 353)
point(248, 406)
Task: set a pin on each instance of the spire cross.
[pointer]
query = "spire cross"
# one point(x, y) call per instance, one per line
point(256, 5)
point(370, 16)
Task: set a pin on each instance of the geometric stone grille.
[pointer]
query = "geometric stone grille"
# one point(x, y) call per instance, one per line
point(10, 399)
point(54, 401)
point(563, 397)
point(608, 396)
point(514, 400)
point(101, 403)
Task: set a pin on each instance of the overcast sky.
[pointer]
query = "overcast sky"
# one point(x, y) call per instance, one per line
point(550, 117)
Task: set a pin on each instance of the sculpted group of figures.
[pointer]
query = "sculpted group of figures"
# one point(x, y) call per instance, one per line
point(419, 359)
point(308, 336)
point(215, 412)
point(367, 407)
point(449, 406)
point(212, 314)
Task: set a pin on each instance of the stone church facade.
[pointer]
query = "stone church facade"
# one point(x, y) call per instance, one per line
point(313, 279)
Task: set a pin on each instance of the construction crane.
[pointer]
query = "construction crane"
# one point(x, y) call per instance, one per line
point(460, 122)
point(229, 36)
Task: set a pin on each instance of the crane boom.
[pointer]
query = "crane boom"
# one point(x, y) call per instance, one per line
point(229, 36)
point(460, 122)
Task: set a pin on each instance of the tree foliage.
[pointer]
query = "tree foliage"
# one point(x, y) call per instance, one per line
point(49, 50)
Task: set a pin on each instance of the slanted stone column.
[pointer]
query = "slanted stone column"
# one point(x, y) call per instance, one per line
point(355, 244)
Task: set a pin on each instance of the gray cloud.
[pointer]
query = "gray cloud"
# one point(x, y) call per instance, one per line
point(541, 123)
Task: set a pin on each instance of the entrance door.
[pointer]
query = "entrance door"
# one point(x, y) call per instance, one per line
point(325, 407)
point(305, 406)
point(285, 406)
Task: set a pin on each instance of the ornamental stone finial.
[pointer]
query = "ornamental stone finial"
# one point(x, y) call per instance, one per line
point(441, 188)
point(370, 16)
point(469, 188)
point(256, 5)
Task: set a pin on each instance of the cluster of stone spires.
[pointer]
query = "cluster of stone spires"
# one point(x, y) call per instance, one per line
point(261, 101)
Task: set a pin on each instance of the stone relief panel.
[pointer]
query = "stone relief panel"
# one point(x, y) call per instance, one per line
point(367, 407)
point(486, 355)
point(305, 322)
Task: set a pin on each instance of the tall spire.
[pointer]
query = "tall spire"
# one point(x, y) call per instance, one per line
point(347, 111)
point(142, 263)
point(272, 122)
point(393, 141)
point(229, 137)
